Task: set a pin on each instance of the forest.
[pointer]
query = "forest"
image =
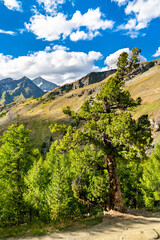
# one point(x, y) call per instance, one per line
point(96, 161)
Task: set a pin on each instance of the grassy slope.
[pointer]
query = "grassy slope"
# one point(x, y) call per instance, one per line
point(147, 86)
point(38, 114)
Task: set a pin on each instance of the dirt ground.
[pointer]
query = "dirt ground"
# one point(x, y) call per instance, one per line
point(115, 226)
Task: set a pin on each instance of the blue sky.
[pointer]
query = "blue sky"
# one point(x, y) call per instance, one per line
point(62, 40)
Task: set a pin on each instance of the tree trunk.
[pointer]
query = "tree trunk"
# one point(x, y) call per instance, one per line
point(115, 201)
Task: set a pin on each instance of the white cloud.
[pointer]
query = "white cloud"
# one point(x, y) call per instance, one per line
point(81, 35)
point(92, 56)
point(157, 54)
point(111, 60)
point(140, 12)
point(130, 25)
point(145, 10)
point(50, 6)
point(47, 49)
point(13, 4)
point(60, 47)
point(45, 27)
point(59, 66)
point(120, 2)
point(7, 32)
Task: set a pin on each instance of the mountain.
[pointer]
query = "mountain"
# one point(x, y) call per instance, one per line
point(15, 90)
point(96, 77)
point(39, 114)
point(89, 79)
point(45, 85)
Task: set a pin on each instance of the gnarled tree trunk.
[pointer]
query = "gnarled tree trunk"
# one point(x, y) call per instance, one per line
point(115, 200)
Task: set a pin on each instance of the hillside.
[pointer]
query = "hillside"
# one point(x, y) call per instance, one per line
point(38, 114)
point(89, 79)
point(16, 90)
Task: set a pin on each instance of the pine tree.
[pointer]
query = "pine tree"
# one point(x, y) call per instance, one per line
point(108, 124)
point(91, 177)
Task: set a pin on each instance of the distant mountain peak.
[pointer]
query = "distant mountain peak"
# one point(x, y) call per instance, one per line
point(24, 78)
point(15, 90)
point(45, 85)
point(40, 78)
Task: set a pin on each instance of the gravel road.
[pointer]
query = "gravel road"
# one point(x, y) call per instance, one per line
point(115, 226)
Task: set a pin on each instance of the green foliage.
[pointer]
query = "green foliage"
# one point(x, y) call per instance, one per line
point(126, 64)
point(122, 65)
point(130, 182)
point(36, 181)
point(134, 59)
point(91, 176)
point(16, 158)
point(60, 198)
point(79, 173)
point(108, 124)
point(3, 113)
point(151, 179)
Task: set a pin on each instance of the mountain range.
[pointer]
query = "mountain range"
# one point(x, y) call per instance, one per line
point(16, 90)
point(38, 114)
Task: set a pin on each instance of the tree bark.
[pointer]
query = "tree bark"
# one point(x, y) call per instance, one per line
point(115, 200)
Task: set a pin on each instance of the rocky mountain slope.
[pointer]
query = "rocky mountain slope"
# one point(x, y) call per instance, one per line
point(38, 114)
point(15, 90)
point(89, 79)
point(45, 85)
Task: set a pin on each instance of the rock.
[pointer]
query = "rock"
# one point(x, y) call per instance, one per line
point(96, 77)
point(91, 78)
point(155, 124)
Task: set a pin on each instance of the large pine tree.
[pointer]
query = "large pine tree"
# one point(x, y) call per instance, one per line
point(107, 123)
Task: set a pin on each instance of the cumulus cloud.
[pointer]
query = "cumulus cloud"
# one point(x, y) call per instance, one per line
point(13, 5)
point(111, 60)
point(144, 10)
point(45, 27)
point(157, 54)
point(59, 66)
point(7, 32)
point(140, 12)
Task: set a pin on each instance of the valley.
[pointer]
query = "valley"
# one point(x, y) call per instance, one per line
point(38, 114)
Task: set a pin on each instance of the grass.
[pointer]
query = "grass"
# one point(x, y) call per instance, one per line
point(41, 229)
point(3, 113)
point(151, 109)
point(21, 231)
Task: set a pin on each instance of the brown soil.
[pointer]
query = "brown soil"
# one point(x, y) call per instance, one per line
point(134, 225)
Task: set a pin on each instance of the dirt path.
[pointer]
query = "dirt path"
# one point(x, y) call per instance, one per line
point(115, 226)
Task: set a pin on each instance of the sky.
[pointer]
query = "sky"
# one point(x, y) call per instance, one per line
point(63, 40)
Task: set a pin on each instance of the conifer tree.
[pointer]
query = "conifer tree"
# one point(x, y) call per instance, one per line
point(16, 158)
point(36, 181)
point(107, 123)
point(151, 179)
point(60, 197)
